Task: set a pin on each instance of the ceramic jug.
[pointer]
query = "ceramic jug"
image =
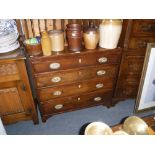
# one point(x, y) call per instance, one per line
point(91, 36)
point(46, 44)
point(110, 31)
point(57, 40)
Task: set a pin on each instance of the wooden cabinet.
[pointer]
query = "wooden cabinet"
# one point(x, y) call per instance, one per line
point(16, 102)
point(137, 34)
point(72, 80)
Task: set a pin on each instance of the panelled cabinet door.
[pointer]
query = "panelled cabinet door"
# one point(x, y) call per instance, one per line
point(12, 98)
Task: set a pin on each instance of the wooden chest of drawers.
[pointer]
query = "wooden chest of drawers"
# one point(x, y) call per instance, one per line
point(138, 33)
point(68, 81)
point(16, 101)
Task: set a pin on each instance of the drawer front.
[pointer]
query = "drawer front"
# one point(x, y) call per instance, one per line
point(68, 76)
point(140, 43)
point(129, 91)
point(70, 61)
point(132, 65)
point(129, 80)
point(143, 27)
point(9, 72)
point(75, 102)
point(135, 65)
point(45, 94)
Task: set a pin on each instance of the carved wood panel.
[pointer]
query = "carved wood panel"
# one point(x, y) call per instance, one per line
point(8, 69)
point(10, 101)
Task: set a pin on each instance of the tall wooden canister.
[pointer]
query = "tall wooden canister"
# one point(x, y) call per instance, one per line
point(74, 37)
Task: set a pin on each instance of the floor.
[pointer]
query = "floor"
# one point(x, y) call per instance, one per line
point(73, 123)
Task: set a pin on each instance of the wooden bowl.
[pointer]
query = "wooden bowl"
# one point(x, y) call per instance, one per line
point(33, 50)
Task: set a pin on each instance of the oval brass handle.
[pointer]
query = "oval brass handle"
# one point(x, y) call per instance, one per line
point(56, 79)
point(54, 65)
point(58, 106)
point(57, 93)
point(97, 98)
point(101, 72)
point(99, 85)
point(102, 60)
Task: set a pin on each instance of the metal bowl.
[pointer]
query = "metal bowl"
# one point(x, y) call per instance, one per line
point(134, 125)
point(120, 132)
point(98, 128)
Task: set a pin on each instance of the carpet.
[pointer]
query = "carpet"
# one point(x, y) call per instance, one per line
point(73, 123)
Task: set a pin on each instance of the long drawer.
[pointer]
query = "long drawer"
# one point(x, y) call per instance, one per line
point(48, 93)
point(76, 60)
point(74, 75)
point(75, 102)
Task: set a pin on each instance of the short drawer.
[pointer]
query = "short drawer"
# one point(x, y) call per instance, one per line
point(45, 94)
point(129, 80)
point(9, 72)
point(74, 75)
point(75, 102)
point(140, 43)
point(143, 27)
point(76, 60)
point(128, 91)
point(134, 65)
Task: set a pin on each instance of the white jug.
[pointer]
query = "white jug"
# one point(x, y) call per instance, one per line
point(110, 31)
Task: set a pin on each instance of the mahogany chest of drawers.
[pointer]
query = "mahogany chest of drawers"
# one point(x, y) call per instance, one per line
point(73, 80)
point(137, 33)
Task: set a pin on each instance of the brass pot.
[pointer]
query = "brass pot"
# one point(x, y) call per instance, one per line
point(98, 128)
point(134, 125)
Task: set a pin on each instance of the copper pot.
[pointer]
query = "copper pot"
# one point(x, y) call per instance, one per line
point(74, 37)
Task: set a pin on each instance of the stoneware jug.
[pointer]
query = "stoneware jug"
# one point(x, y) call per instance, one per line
point(110, 31)
point(46, 44)
point(91, 36)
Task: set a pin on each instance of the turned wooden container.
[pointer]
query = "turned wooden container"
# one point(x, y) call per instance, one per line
point(74, 37)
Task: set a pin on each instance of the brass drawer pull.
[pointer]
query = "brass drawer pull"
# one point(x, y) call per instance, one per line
point(77, 52)
point(102, 60)
point(99, 85)
point(97, 99)
point(58, 106)
point(101, 72)
point(54, 65)
point(57, 93)
point(56, 79)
